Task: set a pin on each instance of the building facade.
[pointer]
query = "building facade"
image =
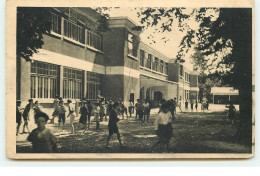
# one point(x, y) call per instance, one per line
point(77, 61)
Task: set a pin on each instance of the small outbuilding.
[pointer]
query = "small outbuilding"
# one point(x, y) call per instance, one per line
point(222, 95)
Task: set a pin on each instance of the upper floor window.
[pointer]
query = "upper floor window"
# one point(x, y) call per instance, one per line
point(161, 66)
point(149, 61)
point(155, 64)
point(166, 68)
point(142, 57)
point(93, 40)
point(181, 70)
point(55, 23)
point(130, 39)
point(72, 30)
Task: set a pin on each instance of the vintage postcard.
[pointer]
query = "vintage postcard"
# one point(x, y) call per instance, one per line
point(129, 79)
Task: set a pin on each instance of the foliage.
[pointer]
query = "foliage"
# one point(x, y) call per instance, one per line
point(32, 23)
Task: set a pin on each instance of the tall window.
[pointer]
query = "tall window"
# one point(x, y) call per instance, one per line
point(74, 31)
point(72, 83)
point(155, 64)
point(142, 57)
point(55, 23)
point(93, 40)
point(43, 80)
point(166, 68)
point(130, 45)
point(161, 66)
point(181, 70)
point(93, 85)
point(149, 61)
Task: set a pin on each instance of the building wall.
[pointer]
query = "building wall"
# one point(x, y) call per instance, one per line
point(114, 46)
point(173, 72)
point(193, 80)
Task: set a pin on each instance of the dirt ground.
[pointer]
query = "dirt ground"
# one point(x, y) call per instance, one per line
point(194, 132)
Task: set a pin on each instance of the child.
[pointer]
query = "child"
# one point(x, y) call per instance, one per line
point(71, 115)
point(112, 124)
point(84, 115)
point(37, 108)
point(140, 110)
point(231, 113)
point(163, 126)
point(43, 141)
point(89, 106)
point(97, 113)
point(55, 106)
point(146, 106)
point(26, 117)
point(18, 116)
point(61, 112)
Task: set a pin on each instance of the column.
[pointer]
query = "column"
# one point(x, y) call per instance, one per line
point(61, 82)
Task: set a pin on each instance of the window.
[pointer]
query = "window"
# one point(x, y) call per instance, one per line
point(142, 57)
point(166, 68)
point(72, 83)
point(149, 61)
point(74, 31)
point(155, 65)
point(43, 80)
point(130, 44)
point(181, 70)
point(73, 15)
point(93, 85)
point(55, 23)
point(93, 40)
point(161, 66)
point(187, 77)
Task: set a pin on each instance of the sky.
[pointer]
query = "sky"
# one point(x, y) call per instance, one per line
point(169, 49)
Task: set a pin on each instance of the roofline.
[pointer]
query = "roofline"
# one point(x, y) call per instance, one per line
point(124, 18)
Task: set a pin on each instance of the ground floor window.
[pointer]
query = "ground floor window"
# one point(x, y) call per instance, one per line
point(187, 94)
point(72, 83)
point(43, 80)
point(93, 85)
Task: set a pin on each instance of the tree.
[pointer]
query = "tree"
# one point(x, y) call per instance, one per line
point(224, 36)
point(32, 23)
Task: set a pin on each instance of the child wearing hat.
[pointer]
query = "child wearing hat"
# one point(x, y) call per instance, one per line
point(26, 117)
point(43, 140)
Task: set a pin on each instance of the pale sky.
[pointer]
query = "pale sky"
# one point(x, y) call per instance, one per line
point(169, 49)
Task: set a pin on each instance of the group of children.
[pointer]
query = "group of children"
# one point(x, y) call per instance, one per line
point(44, 141)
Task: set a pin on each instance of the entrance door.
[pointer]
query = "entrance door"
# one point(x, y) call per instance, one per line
point(157, 98)
point(132, 97)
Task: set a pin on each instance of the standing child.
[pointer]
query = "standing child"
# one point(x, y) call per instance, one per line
point(55, 106)
point(196, 105)
point(71, 115)
point(61, 111)
point(43, 140)
point(146, 106)
point(163, 126)
point(26, 116)
point(97, 113)
point(140, 111)
point(231, 113)
point(37, 108)
point(84, 115)
point(89, 112)
point(112, 124)
point(18, 116)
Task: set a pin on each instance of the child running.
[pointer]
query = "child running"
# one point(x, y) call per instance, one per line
point(163, 126)
point(112, 124)
point(43, 140)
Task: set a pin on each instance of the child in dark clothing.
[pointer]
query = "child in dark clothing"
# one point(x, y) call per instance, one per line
point(61, 110)
point(112, 124)
point(26, 117)
point(18, 116)
point(84, 115)
point(43, 140)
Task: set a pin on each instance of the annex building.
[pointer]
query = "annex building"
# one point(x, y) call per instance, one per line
point(77, 61)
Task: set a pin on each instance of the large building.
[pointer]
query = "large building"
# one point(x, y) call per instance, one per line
point(76, 61)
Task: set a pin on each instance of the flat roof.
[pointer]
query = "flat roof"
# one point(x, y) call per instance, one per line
point(224, 91)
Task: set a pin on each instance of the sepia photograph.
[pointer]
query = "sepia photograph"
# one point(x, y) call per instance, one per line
point(119, 81)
